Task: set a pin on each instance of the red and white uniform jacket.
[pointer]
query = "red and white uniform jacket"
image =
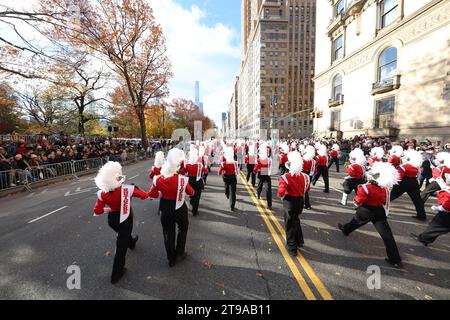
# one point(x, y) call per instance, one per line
point(309, 167)
point(283, 158)
point(334, 154)
point(293, 185)
point(167, 188)
point(113, 200)
point(356, 171)
point(372, 160)
point(371, 195)
point(228, 169)
point(444, 199)
point(440, 172)
point(322, 161)
point(407, 171)
point(193, 170)
point(155, 172)
point(394, 160)
point(250, 159)
point(262, 166)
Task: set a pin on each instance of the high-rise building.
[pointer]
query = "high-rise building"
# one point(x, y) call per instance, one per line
point(275, 83)
point(198, 103)
point(233, 111)
point(383, 68)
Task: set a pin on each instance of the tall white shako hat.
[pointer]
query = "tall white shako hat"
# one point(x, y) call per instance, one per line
point(193, 156)
point(109, 177)
point(397, 151)
point(228, 154)
point(377, 152)
point(251, 149)
point(322, 150)
point(173, 160)
point(443, 158)
point(357, 156)
point(335, 147)
point(284, 148)
point(309, 153)
point(412, 157)
point(263, 154)
point(384, 174)
point(159, 159)
point(295, 162)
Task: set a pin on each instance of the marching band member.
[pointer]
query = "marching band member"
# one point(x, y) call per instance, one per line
point(116, 197)
point(372, 201)
point(292, 188)
point(194, 169)
point(334, 155)
point(322, 167)
point(356, 174)
point(172, 188)
point(408, 175)
point(395, 156)
point(263, 168)
point(441, 222)
point(250, 161)
point(376, 155)
point(203, 158)
point(283, 155)
point(438, 182)
point(229, 170)
point(309, 167)
point(156, 169)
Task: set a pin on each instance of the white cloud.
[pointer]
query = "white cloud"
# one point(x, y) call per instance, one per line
point(199, 52)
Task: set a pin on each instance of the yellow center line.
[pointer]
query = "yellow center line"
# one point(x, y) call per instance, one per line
point(303, 262)
point(300, 280)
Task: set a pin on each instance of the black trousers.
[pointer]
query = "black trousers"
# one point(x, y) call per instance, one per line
point(322, 171)
point(251, 173)
point(170, 219)
point(205, 175)
point(429, 190)
point(438, 226)
point(377, 216)
point(336, 161)
point(282, 168)
point(293, 207)
point(410, 186)
point(352, 185)
point(230, 188)
point(123, 242)
point(195, 199)
point(265, 180)
point(423, 179)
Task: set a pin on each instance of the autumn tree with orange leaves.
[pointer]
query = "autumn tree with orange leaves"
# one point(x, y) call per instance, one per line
point(125, 35)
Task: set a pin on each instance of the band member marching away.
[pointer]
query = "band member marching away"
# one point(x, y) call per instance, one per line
point(356, 174)
point(172, 188)
point(372, 201)
point(194, 170)
point(156, 169)
point(334, 155)
point(284, 150)
point(229, 169)
point(440, 224)
point(263, 168)
point(408, 175)
point(250, 161)
point(292, 188)
point(438, 182)
point(116, 197)
point(322, 167)
point(203, 158)
point(309, 167)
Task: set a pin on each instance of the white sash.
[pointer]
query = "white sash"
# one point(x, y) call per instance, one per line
point(236, 168)
point(269, 162)
point(387, 206)
point(182, 183)
point(199, 171)
point(125, 202)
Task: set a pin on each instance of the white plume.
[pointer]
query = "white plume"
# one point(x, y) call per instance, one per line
point(107, 177)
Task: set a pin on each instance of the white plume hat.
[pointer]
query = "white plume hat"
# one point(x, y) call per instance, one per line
point(309, 153)
point(228, 154)
point(284, 147)
point(159, 159)
point(251, 150)
point(193, 156)
point(295, 162)
point(396, 150)
point(322, 150)
point(377, 152)
point(357, 156)
point(443, 158)
point(412, 157)
point(109, 177)
point(263, 154)
point(174, 158)
point(388, 175)
point(201, 151)
point(335, 147)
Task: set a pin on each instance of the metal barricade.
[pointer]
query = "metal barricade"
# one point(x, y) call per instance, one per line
point(14, 179)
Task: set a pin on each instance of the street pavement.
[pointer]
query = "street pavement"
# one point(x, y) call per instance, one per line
point(231, 255)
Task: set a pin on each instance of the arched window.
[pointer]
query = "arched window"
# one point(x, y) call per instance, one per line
point(337, 86)
point(387, 64)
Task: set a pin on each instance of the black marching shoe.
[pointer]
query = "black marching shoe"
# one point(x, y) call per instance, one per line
point(293, 252)
point(115, 279)
point(341, 227)
point(397, 265)
point(171, 263)
point(416, 237)
point(133, 243)
point(419, 218)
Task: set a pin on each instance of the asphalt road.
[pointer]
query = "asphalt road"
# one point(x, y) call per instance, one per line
point(232, 255)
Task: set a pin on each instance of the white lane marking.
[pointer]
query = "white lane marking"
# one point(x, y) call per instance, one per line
point(46, 215)
point(134, 177)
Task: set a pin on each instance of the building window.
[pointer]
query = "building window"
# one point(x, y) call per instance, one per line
point(338, 51)
point(335, 124)
point(384, 113)
point(337, 87)
point(389, 12)
point(387, 64)
point(339, 7)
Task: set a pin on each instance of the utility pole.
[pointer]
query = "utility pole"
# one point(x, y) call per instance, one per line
point(163, 120)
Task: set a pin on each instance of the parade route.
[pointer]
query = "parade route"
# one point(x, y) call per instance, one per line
point(231, 255)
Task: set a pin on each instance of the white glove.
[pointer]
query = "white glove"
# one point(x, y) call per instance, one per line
point(437, 208)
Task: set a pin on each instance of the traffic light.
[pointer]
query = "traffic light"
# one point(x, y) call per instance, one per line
point(319, 114)
point(312, 114)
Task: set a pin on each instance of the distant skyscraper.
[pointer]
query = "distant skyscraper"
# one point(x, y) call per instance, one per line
point(197, 96)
